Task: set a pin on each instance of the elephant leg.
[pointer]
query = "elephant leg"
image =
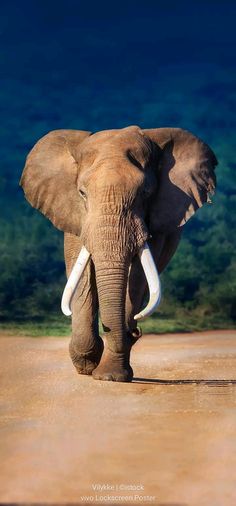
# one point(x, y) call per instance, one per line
point(86, 346)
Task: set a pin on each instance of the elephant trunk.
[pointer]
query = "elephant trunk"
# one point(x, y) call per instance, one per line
point(111, 286)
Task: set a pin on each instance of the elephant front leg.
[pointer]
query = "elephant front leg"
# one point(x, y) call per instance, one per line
point(114, 365)
point(86, 346)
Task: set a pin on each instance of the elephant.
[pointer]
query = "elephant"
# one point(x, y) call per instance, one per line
point(119, 196)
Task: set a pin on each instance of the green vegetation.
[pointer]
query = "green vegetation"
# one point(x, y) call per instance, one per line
point(153, 325)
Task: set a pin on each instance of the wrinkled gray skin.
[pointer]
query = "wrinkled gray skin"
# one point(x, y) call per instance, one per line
point(112, 191)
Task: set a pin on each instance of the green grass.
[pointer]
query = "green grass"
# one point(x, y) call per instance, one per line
point(187, 324)
point(156, 324)
point(35, 329)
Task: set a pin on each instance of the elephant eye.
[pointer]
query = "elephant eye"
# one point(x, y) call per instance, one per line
point(83, 194)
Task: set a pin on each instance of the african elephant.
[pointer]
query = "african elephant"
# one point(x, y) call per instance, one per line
point(116, 193)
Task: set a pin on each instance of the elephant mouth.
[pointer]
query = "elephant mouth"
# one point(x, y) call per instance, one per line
point(150, 272)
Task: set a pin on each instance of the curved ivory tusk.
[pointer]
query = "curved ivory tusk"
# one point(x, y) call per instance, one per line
point(73, 280)
point(153, 281)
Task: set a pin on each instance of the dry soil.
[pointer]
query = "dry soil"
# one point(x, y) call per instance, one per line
point(166, 438)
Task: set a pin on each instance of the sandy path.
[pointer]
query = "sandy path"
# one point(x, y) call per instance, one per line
point(62, 433)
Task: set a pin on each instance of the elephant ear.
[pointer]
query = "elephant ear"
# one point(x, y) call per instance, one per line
point(49, 178)
point(185, 176)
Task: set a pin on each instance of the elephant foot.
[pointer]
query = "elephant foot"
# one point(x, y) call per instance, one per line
point(85, 363)
point(113, 367)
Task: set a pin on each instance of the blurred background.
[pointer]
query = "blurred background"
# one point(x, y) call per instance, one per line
point(100, 65)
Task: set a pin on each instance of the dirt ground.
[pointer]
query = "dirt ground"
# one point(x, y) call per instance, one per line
point(167, 438)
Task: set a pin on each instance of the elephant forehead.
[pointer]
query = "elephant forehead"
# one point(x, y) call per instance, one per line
point(119, 176)
point(109, 167)
point(128, 142)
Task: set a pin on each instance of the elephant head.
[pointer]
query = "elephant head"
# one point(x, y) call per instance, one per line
point(114, 189)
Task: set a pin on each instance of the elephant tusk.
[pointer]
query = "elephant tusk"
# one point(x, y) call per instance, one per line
point(153, 281)
point(73, 280)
